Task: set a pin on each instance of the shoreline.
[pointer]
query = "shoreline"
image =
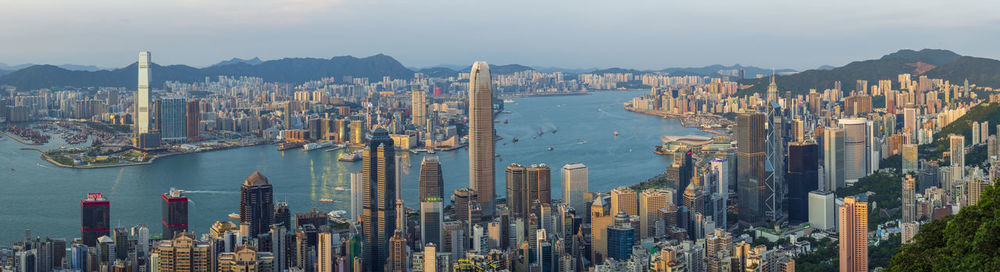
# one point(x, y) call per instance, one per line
point(151, 160)
point(18, 139)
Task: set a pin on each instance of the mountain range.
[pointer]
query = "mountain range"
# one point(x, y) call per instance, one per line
point(934, 63)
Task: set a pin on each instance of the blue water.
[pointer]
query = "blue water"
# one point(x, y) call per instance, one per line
point(46, 199)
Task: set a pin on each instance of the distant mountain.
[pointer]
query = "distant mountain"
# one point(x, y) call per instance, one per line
point(73, 67)
point(292, 70)
point(980, 71)
point(547, 69)
point(616, 70)
point(253, 61)
point(826, 67)
point(438, 72)
point(713, 70)
point(887, 67)
point(4, 72)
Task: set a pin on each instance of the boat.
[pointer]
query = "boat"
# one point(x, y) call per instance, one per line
point(550, 148)
point(288, 145)
point(314, 146)
point(540, 132)
point(554, 131)
point(616, 133)
point(350, 157)
point(508, 101)
point(515, 140)
point(505, 121)
point(336, 147)
point(234, 216)
point(338, 188)
point(326, 200)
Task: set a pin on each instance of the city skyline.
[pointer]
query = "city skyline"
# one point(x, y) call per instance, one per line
point(788, 34)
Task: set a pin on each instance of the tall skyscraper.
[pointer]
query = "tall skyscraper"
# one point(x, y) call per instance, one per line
point(397, 253)
point(172, 119)
point(957, 148)
point(621, 237)
point(910, 158)
point(600, 219)
point(750, 145)
point(517, 190)
point(378, 215)
point(833, 159)
point(855, 147)
point(803, 177)
point(324, 252)
point(356, 197)
point(256, 204)
point(624, 199)
point(175, 213)
point(193, 116)
point(650, 203)
point(431, 219)
point(182, 253)
point(481, 160)
point(574, 177)
point(95, 218)
point(909, 199)
point(853, 217)
point(142, 97)
point(539, 184)
point(418, 108)
point(694, 196)
point(431, 181)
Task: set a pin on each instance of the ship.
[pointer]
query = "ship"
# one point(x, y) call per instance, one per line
point(515, 140)
point(554, 131)
point(234, 216)
point(326, 200)
point(505, 121)
point(350, 157)
point(616, 133)
point(314, 146)
point(288, 145)
point(508, 101)
point(550, 148)
point(338, 188)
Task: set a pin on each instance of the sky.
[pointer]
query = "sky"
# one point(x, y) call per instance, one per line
point(552, 33)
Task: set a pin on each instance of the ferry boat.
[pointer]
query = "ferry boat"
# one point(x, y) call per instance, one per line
point(515, 140)
point(338, 188)
point(234, 216)
point(616, 133)
point(314, 146)
point(505, 121)
point(326, 200)
point(550, 148)
point(288, 145)
point(508, 101)
point(350, 157)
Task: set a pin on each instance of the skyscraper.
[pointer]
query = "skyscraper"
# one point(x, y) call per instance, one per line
point(855, 155)
point(750, 145)
point(378, 215)
point(95, 218)
point(957, 148)
point(397, 253)
point(481, 160)
point(650, 203)
point(910, 157)
point(600, 219)
point(175, 213)
point(256, 204)
point(418, 108)
point(909, 199)
point(833, 159)
point(853, 217)
point(356, 197)
point(624, 199)
point(193, 116)
point(182, 253)
point(172, 119)
point(431, 219)
point(574, 176)
point(621, 237)
point(803, 177)
point(142, 97)
point(431, 182)
point(324, 252)
point(517, 191)
point(539, 184)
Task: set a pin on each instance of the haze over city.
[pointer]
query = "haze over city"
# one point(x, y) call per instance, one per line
point(571, 34)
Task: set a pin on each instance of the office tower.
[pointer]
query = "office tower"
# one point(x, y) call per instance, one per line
point(539, 178)
point(855, 155)
point(975, 133)
point(356, 197)
point(431, 219)
point(821, 210)
point(172, 118)
point(418, 108)
point(431, 181)
point(574, 176)
point(833, 159)
point(650, 203)
point(694, 195)
point(750, 145)
point(803, 177)
point(183, 253)
point(283, 216)
point(544, 250)
point(256, 204)
point(246, 260)
point(193, 119)
point(798, 130)
point(957, 148)
point(481, 160)
point(378, 182)
point(95, 218)
point(680, 171)
point(357, 132)
point(774, 167)
point(984, 131)
point(324, 252)
point(397, 253)
point(910, 157)
point(772, 90)
point(142, 97)
point(600, 219)
point(121, 243)
point(909, 199)
point(853, 225)
point(624, 199)
point(430, 258)
point(463, 199)
point(517, 191)
point(621, 237)
point(175, 213)
point(910, 121)
point(280, 246)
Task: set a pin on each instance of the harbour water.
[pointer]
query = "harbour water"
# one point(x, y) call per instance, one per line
point(46, 199)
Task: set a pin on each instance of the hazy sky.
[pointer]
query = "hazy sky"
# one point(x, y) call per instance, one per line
point(572, 33)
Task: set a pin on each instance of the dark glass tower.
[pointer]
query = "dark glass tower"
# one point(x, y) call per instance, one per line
point(256, 204)
point(175, 213)
point(750, 156)
point(378, 186)
point(95, 218)
point(431, 182)
point(803, 177)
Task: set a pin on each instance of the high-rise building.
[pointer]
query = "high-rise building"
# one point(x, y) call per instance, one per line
point(172, 119)
point(621, 237)
point(95, 218)
point(256, 204)
point(517, 191)
point(378, 216)
point(694, 196)
point(855, 147)
point(193, 119)
point(357, 132)
point(821, 210)
point(182, 253)
point(600, 219)
point(957, 148)
point(833, 159)
point(481, 160)
point(431, 219)
point(909, 199)
point(803, 177)
point(418, 108)
point(397, 253)
point(539, 178)
point(624, 199)
point(650, 203)
point(574, 176)
point(853, 238)
point(142, 97)
point(356, 197)
point(324, 252)
point(910, 158)
point(246, 259)
point(175, 213)
point(431, 181)
point(750, 146)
